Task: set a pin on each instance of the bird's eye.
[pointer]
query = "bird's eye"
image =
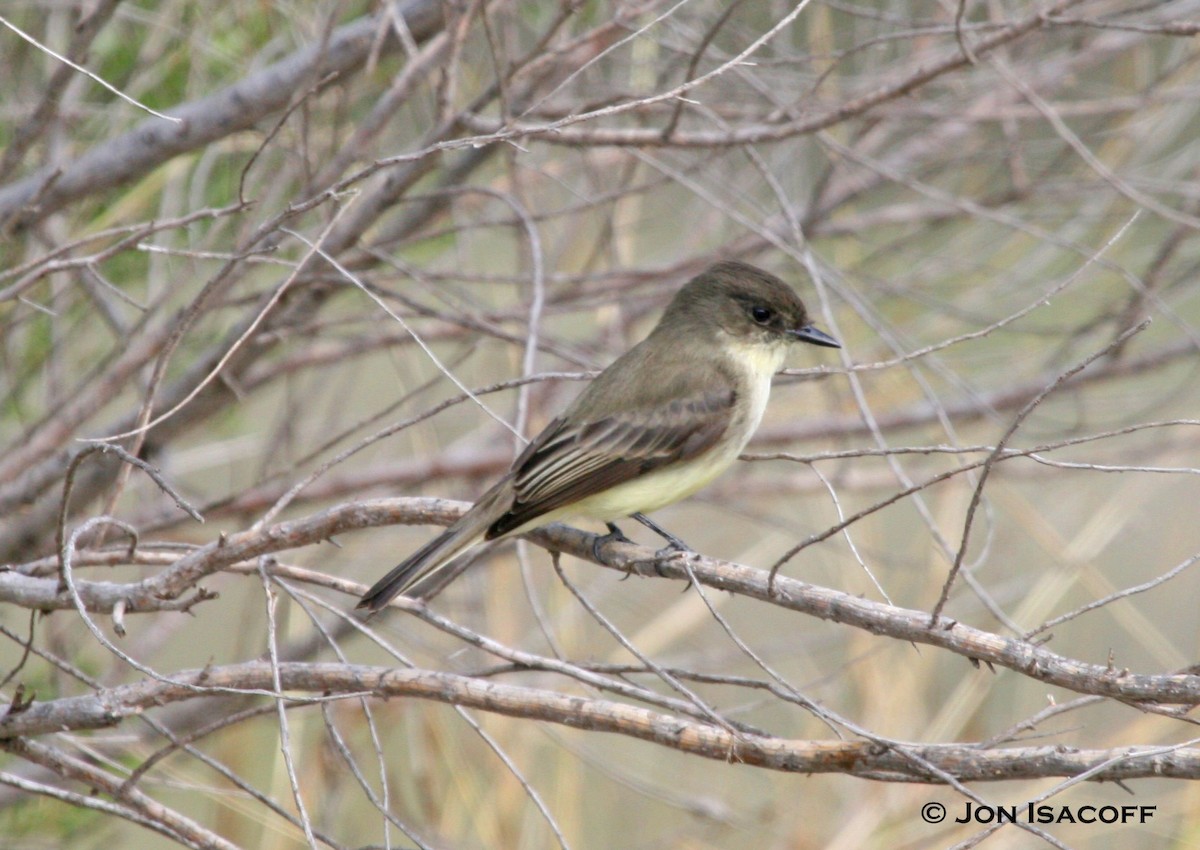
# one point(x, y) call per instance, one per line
point(761, 314)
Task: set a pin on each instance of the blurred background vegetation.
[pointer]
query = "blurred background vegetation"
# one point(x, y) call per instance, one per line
point(974, 197)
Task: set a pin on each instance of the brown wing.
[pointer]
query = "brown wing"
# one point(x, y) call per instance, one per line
point(566, 464)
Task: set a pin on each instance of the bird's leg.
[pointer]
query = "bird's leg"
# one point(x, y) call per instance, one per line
point(615, 535)
point(674, 544)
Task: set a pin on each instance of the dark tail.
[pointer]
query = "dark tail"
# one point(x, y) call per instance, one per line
point(426, 561)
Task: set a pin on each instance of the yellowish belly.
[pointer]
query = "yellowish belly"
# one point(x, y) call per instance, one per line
point(655, 490)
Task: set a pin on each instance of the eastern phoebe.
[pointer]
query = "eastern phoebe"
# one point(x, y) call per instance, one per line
point(662, 421)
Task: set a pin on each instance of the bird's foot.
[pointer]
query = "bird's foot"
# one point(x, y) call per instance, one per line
point(675, 549)
point(615, 535)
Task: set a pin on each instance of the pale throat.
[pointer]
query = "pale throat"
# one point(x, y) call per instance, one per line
point(758, 363)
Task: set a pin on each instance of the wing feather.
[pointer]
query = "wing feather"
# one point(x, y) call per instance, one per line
point(569, 462)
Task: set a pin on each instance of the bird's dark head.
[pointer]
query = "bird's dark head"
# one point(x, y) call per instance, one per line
point(748, 304)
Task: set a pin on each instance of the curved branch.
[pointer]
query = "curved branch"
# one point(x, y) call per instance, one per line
point(868, 759)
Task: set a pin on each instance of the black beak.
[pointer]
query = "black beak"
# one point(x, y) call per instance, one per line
point(815, 336)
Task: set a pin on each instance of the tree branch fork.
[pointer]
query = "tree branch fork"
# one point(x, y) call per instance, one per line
point(33, 586)
point(916, 762)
